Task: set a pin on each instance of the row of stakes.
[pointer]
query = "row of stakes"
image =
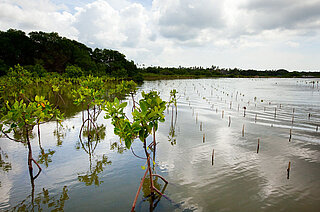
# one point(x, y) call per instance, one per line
point(258, 145)
point(255, 119)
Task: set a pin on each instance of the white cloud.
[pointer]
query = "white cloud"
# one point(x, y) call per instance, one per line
point(186, 20)
point(36, 15)
point(181, 32)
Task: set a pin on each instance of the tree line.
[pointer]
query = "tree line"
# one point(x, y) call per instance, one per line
point(41, 53)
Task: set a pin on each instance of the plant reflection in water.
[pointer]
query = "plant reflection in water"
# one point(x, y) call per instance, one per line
point(89, 138)
point(43, 201)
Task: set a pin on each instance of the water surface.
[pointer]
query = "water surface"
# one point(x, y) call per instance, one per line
point(104, 176)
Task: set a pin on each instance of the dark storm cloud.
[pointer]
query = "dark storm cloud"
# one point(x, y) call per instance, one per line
point(286, 14)
point(185, 19)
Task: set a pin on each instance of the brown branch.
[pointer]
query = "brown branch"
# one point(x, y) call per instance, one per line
point(38, 168)
point(156, 175)
point(12, 138)
point(137, 194)
point(136, 154)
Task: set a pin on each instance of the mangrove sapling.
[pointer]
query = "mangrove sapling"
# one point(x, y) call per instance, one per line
point(91, 95)
point(172, 101)
point(24, 116)
point(145, 119)
point(174, 117)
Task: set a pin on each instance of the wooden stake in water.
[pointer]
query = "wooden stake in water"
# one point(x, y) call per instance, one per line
point(290, 136)
point(229, 121)
point(275, 112)
point(244, 111)
point(196, 117)
point(212, 157)
point(204, 138)
point(243, 130)
point(255, 118)
point(200, 126)
point(258, 146)
point(222, 113)
point(288, 170)
point(309, 116)
point(317, 128)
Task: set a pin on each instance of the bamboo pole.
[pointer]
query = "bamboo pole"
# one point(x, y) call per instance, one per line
point(197, 118)
point(212, 157)
point(288, 169)
point(243, 130)
point(290, 136)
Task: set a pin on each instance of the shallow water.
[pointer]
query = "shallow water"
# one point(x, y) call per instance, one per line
point(105, 176)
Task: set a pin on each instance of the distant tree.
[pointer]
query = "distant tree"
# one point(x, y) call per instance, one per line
point(73, 72)
point(16, 48)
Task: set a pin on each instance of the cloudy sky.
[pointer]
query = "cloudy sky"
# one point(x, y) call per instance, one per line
point(259, 34)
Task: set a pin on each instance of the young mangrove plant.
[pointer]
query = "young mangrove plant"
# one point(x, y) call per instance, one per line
point(22, 116)
point(174, 116)
point(90, 95)
point(146, 116)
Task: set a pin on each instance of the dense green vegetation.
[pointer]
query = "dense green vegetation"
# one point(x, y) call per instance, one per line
point(41, 53)
point(28, 101)
point(214, 71)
